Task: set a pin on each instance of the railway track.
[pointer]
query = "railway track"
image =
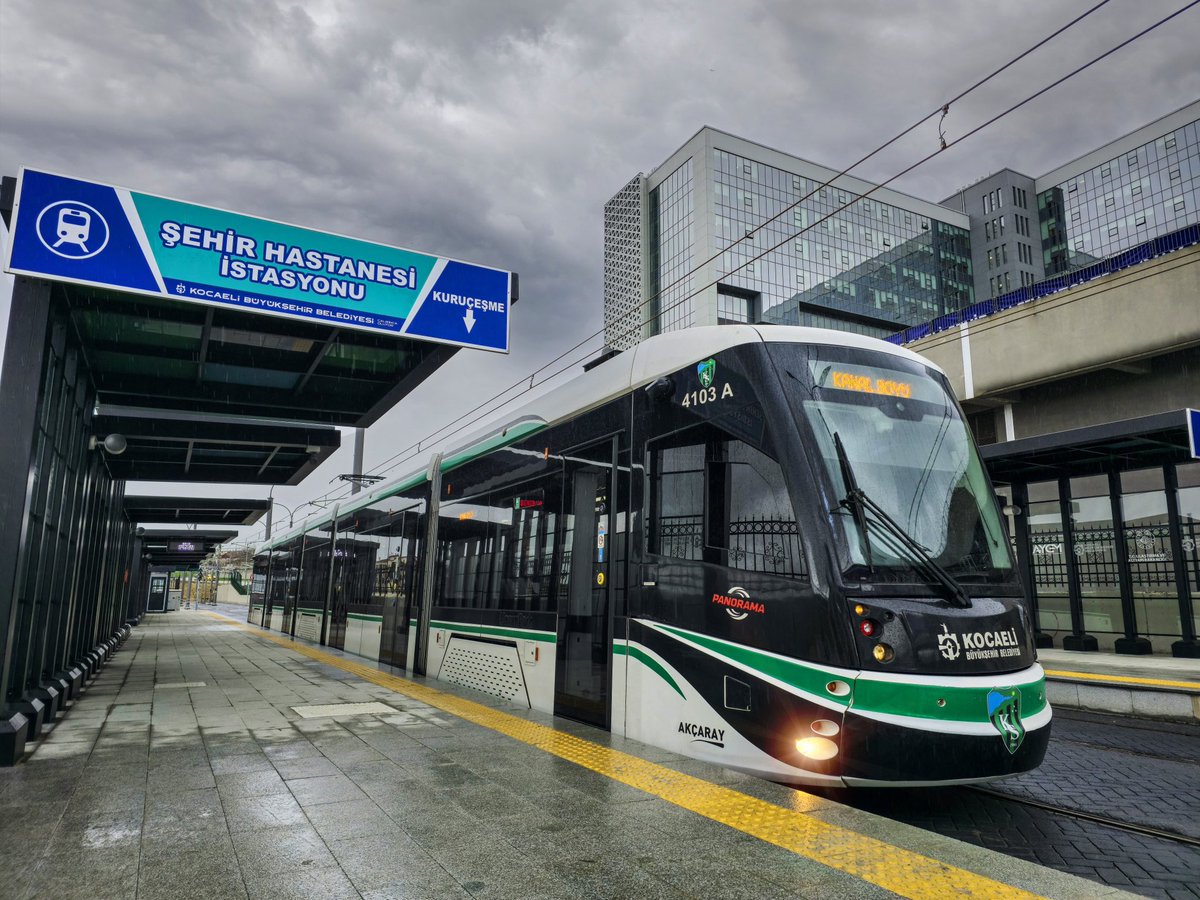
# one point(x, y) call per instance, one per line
point(1089, 817)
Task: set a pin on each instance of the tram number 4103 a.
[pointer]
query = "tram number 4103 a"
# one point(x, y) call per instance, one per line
point(707, 395)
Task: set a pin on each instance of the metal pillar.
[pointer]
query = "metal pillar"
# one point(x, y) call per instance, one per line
point(327, 603)
point(359, 440)
point(425, 610)
point(24, 359)
point(1020, 498)
point(1130, 643)
point(1188, 647)
point(1078, 639)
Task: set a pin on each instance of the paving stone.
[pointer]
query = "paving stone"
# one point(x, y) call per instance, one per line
point(325, 883)
point(305, 767)
point(352, 818)
point(224, 792)
point(250, 784)
point(282, 849)
point(325, 789)
point(100, 872)
point(241, 763)
point(204, 873)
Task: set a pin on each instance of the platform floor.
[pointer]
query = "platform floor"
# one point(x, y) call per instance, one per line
point(186, 771)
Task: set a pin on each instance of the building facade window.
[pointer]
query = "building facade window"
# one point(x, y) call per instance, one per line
point(870, 259)
point(1141, 188)
point(672, 206)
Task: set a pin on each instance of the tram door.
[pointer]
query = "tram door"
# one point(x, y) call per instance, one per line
point(582, 674)
point(156, 598)
point(398, 581)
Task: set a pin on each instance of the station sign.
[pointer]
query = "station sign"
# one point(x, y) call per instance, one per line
point(87, 233)
point(1193, 418)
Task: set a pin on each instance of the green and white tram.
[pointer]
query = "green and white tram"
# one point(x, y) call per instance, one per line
point(771, 548)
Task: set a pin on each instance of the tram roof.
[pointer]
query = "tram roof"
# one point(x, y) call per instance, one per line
point(625, 372)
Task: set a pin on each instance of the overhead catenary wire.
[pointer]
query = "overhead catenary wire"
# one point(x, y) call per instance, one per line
point(441, 433)
point(940, 110)
point(908, 130)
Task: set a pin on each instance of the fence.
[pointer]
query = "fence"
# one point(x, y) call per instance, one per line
point(1148, 549)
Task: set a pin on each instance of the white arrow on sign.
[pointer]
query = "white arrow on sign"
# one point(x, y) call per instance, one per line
point(469, 319)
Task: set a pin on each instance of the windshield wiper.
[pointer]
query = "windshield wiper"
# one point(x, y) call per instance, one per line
point(854, 500)
point(857, 501)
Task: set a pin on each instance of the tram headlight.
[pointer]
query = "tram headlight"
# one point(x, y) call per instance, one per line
point(818, 748)
point(883, 653)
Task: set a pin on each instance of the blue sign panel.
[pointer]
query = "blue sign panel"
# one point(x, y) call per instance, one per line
point(87, 233)
point(1193, 417)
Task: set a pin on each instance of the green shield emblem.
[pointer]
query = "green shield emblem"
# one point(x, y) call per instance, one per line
point(1004, 710)
point(707, 371)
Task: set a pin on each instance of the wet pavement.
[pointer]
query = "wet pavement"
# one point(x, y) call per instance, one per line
point(187, 770)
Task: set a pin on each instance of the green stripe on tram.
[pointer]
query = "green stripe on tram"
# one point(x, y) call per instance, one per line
point(943, 702)
point(510, 435)
point(792, 673)
point(875, 692)
point(548, 637)
point(364, 617)
point(649, 662)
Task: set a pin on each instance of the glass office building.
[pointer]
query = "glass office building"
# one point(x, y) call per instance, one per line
point(727, 230)
point(1141, 186)
point(807, 254)
point(1127, 198)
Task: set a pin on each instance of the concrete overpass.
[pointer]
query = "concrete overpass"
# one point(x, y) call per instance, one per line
point(1120, 347)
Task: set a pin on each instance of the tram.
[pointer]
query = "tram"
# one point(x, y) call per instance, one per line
point(771, 548)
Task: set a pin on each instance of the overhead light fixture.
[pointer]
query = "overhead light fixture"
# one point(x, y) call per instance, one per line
point(114, 444)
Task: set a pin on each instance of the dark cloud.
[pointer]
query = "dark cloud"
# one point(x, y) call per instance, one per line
point(495, 132)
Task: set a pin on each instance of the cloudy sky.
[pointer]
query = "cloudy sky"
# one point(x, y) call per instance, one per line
point(495, 131)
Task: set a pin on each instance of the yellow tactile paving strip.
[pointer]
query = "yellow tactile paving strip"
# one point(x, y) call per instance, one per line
point(893, 868)
point(1124, 679)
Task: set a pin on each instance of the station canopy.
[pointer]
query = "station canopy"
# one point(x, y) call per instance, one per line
point(181, 549)
point(204, 394)
point(188, 365)
point(198, 510)
point(1139, 443)
point(156, 356)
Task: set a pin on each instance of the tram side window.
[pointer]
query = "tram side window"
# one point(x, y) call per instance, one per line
point(467, 541)
point(258, 581)
point(528, 545)
point(677, 492)
point(498, 551)
point(717, 499)
point(760, 534)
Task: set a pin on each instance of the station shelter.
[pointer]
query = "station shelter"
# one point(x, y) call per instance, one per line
point(108, 379)
point(1107, 532)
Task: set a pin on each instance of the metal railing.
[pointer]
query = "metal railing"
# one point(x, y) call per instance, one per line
point(1134, 256)
point(1147, 547)
point(764, 545)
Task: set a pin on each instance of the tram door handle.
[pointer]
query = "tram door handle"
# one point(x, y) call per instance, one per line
point(649, 576)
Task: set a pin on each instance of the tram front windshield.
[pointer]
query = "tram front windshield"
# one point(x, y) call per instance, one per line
point(905, 444)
